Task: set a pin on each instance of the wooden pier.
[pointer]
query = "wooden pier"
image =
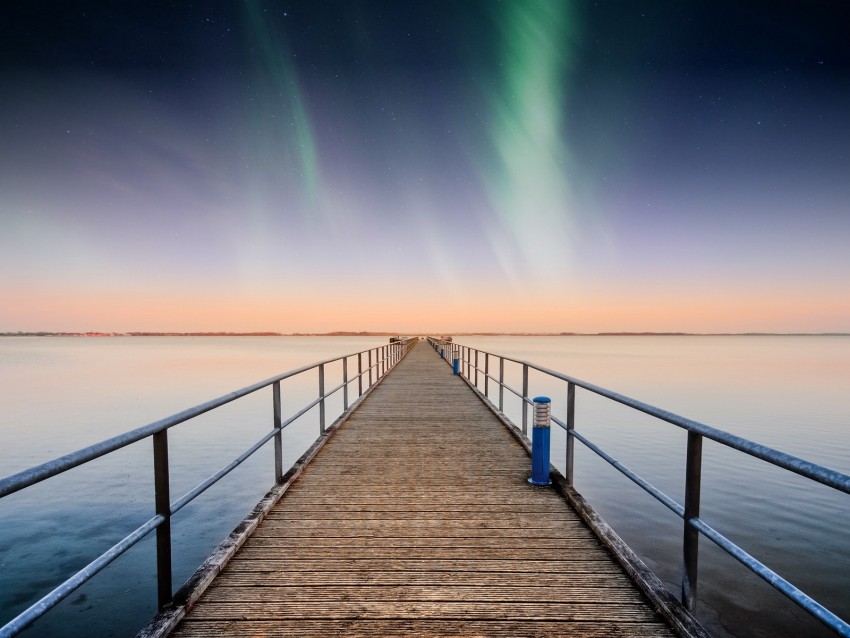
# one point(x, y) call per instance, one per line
point(416, 518)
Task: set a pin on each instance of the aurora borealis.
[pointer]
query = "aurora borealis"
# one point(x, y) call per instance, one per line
point(523, 165)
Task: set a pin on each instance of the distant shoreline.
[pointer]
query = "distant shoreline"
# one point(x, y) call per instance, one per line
point(454, 334)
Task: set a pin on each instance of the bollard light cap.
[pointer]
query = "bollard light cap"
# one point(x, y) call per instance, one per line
point(542, 400)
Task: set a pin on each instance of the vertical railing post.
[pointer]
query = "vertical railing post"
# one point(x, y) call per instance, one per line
point(322, 397)
point(359, 374)
point(690, 543)
point(278, 440)
point(502, 385)
point(476, 368)
point(571, 424)
point(525, 398)
point(486, 374)
point(468, 363)
point(345, 383)
point(162, 504)
point(370, 368)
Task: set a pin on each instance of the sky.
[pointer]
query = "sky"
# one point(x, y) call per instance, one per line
point(484, 165)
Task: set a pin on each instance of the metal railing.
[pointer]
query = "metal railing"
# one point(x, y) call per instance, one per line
point(689, 511)
point(372, 365)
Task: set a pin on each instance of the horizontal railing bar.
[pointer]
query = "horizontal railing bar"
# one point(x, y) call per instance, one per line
point(15, 482)
point(189, 496)
point(559, 422)
point(511, 390)
point(313, 404)
point(300, 413)
point(519, 394)
point(818, 473)
point(653, 491)
point(504, 385)
point(224, 471)
point(336, 389)
point(772, 578)
point(36, 611)
point(492, 378)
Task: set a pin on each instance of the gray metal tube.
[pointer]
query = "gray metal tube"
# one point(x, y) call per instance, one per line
point(690, 542)
point(278, 439)
point(164, 586)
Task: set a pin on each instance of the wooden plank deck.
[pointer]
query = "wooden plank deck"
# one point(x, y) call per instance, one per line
point(416, 518)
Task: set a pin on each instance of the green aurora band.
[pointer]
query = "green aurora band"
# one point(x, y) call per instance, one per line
point(283, 130)
point(528, 181)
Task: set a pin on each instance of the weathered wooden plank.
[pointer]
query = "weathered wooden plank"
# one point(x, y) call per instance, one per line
point(373, 564)
point(560, 543)
point(342, 509)
point(404, 592)
point(290, 529)
point(592, 580)
point(386, 609)
point(333, 527)
point(352, 628)
point(417, 519)
point(519, 519)
point(484, 498)
point(523, 554)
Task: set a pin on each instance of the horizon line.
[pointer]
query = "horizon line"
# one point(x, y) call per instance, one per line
point(391, 333)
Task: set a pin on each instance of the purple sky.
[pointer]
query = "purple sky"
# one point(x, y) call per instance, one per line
point(425, 166)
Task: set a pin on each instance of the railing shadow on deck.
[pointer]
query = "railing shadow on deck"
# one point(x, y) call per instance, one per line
point(471, 362)
point(372, 365)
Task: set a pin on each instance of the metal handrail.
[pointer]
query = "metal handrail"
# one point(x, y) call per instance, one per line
point(689, 511)
point(386, 357)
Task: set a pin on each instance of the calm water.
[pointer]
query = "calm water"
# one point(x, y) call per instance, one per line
point(60, 394)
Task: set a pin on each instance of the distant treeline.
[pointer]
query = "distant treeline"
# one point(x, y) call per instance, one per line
point(140, 334)
point(194, 334)
point(457, 334)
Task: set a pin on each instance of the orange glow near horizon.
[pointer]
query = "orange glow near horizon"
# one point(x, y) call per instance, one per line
point(422, 309)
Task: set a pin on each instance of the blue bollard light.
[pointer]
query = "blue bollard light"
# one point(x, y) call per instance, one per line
point(540, 435)
point(455, 362)
point(442, 353)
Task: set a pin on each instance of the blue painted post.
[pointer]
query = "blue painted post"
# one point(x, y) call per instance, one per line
point(442, 351)
point(540, 434)
point(455, 362)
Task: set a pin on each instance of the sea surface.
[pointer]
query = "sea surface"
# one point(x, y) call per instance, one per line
point(58, 394)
